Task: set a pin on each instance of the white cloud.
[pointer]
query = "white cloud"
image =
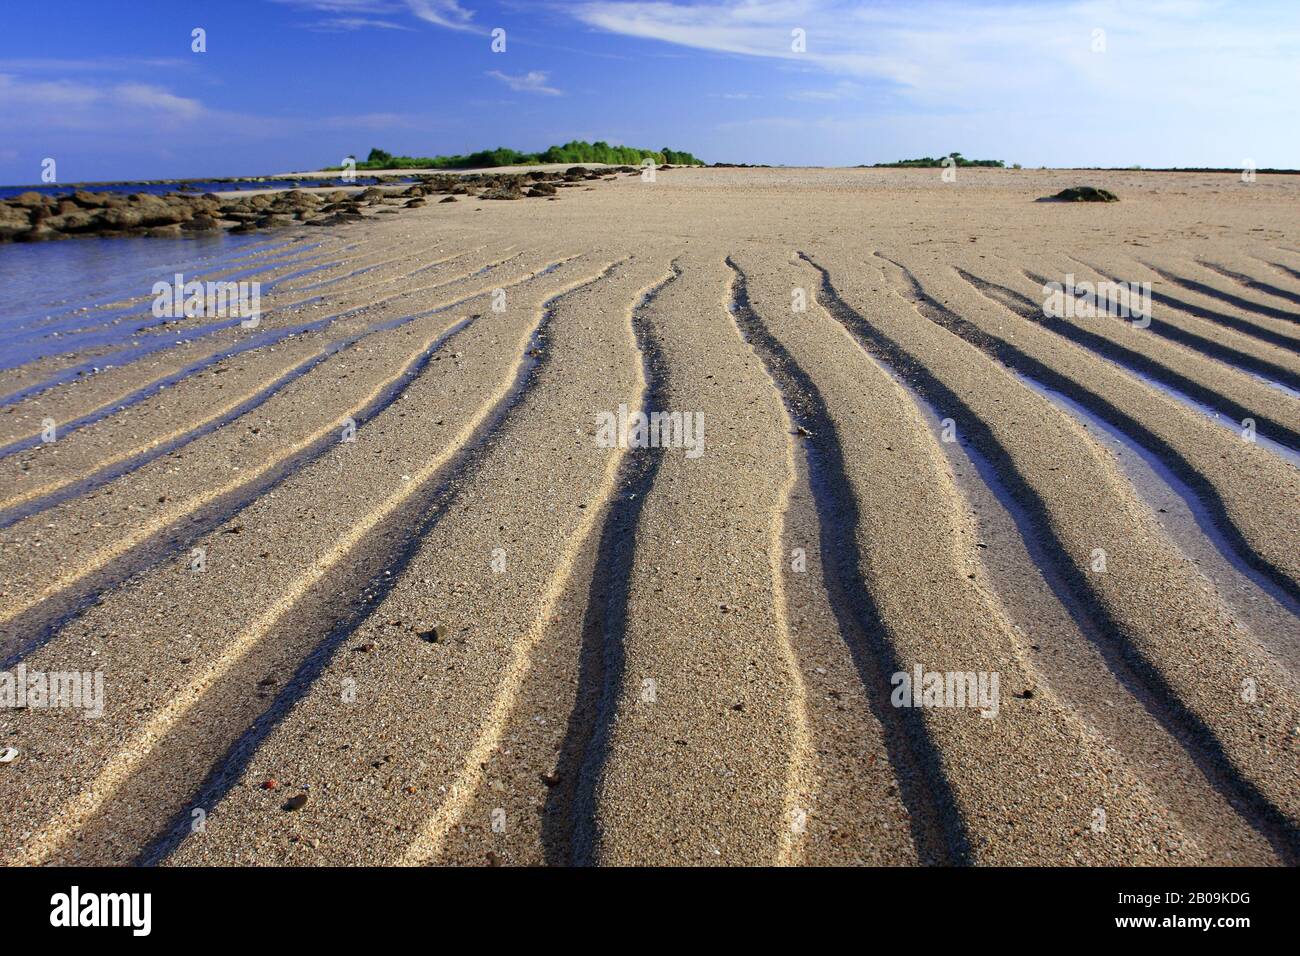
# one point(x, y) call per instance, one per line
point(152, 98)
point(69, 104)
point(443, 13)
point(363, 14)
point(532, 82)
point(34, 108)
point(979, 55)
point(97, 64)
point(350, 24)
point(840, 91)
point(349, 8)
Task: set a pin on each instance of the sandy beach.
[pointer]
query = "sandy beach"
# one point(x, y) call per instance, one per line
point(366, 586)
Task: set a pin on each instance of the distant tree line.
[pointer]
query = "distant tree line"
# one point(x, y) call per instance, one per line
point(575, 151)
point(925, 162)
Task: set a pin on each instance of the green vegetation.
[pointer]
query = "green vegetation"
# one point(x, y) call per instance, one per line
point(575, 152)
point(927, 162)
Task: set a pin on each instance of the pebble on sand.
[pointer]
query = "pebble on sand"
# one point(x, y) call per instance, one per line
point(433, 633)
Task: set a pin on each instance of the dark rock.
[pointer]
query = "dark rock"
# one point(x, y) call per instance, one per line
point(34, 217)
point(157, 211)
point(296, 803)
point(39, 233)
point(338, 219)
point(296, 199)
point(1085, 194)
point(120, 217)
point(433, 633)
point(14, 221)
point(91, 200)
point(29, 200)
point(75, 220)
point(15, 214)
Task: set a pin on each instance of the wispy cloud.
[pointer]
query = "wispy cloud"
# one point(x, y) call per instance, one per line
point(350, 24)
point(982, 55)
point(840, 91)
point(349, 8)
point(142, 96)
point(443, 13)
point(35, 107)
point(70, 104)
point(90, 64)
point(379, 14)
point(532, 82)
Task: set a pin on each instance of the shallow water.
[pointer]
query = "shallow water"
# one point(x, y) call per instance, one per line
point(52, 287)
point(1260, 604)
point(44, 278)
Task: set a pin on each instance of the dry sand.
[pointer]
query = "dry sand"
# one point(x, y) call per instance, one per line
point(476, 636)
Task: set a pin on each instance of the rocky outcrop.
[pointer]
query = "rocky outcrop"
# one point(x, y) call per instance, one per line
point(34, 217)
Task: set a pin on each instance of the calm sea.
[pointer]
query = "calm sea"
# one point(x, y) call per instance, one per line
point(53, 295)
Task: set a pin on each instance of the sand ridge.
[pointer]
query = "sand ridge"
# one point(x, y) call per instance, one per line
point(681, 659)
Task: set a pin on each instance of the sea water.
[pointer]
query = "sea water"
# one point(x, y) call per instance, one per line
point(52, 293)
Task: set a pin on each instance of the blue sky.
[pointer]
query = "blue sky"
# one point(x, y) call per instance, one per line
point(114, 91)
